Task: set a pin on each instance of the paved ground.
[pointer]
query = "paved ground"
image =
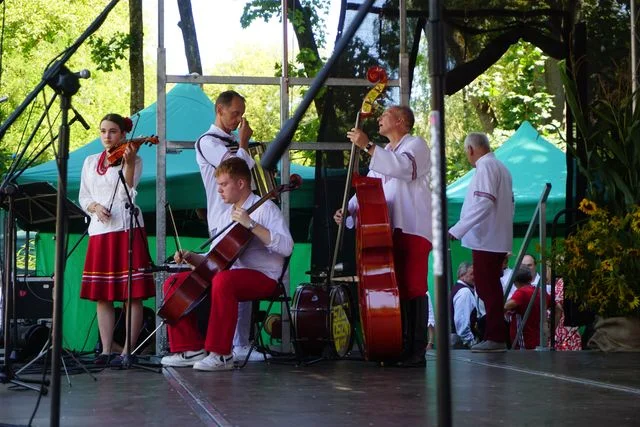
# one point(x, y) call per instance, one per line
point(514, 388)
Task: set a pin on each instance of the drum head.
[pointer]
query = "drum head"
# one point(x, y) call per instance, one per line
point(309, 317)
point(340, 317)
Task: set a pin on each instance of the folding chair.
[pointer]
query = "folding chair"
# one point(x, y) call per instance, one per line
point(258, 321)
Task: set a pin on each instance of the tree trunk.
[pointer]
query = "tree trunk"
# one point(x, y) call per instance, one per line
point(136, 57)
point(188, 27)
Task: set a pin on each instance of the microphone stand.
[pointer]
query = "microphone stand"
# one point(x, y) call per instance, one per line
point(66, 84)
point(127, 360)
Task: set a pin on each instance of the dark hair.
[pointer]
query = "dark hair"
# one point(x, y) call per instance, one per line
point(405, 113)
point(236, 168)
point(124, 123)
point(226, 97)
point(522, 276)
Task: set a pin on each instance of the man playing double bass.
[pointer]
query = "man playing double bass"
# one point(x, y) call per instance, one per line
point(252, 276)
point(403, 165)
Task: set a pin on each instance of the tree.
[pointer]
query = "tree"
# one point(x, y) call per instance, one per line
point(35, 33)
point(136, 56)
point(191, 49)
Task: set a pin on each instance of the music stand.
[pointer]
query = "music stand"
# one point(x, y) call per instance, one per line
point(35, 205)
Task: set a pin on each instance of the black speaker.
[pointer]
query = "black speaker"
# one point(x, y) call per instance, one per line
point(30, 340)
point(34, 298)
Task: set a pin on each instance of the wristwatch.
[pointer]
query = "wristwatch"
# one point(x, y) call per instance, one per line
point(252, 225)
point(368, 146)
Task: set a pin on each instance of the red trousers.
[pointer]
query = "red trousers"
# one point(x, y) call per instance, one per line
point(411, 259)
point(487, 268)
point(228, 287)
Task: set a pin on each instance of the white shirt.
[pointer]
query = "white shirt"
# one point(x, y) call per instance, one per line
point(405, 181)
point(266, 259)
point(102, 189)
point(431, 317)
point(486, 219)
point(464, 302)
point(210, 152)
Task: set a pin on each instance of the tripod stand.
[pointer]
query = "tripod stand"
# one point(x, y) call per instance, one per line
point(128, 358)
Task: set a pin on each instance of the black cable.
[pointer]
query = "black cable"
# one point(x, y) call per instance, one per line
point(86, 338)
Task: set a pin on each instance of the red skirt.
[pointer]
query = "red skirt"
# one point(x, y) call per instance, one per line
point(106, 268)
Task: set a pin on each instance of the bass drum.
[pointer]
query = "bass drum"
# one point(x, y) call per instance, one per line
point(321, 318)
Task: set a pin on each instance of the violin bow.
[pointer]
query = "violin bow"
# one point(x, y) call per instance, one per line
point(377, 75)
point(173, 225)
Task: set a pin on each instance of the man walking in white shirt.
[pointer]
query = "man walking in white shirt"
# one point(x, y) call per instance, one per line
point(486, 227)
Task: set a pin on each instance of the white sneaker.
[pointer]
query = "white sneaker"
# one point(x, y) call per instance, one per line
point(186, 358)
point(215, 362)
point(240, 353)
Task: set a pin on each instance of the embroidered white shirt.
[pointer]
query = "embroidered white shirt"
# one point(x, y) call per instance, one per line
point(405, 181)
point(486, 219)
point(210, 152)
point(102, 189)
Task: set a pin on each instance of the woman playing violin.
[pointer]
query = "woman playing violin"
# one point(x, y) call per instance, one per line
point(104, 197)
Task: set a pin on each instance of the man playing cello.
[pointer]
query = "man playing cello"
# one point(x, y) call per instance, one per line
point(252, 276)
point(403, 165)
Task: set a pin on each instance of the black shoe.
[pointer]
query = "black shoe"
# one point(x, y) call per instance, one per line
point(416, 360)
point(102, 359)
point(118, 362)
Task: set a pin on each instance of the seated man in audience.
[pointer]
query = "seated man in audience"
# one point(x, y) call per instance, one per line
point(506, 273)
point(516, 306)
point(465, 310)
point(252, 276)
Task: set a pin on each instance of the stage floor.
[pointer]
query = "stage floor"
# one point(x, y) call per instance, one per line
point(514, 388)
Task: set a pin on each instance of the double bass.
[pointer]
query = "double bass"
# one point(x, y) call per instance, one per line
point(378, 294)
point(224, 253)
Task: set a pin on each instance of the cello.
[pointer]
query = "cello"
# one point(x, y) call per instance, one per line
point(378, 294)
point(224, 253)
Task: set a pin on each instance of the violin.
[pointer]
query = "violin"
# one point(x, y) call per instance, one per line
point(115, 153)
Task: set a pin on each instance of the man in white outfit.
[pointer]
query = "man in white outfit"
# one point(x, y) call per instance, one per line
point(211, 149)
point(486, 227)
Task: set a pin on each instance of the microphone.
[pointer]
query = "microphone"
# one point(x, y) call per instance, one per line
point(83, 74)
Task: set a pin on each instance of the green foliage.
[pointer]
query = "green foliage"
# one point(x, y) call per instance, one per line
point(609, 151)
point(600, 262)
point(36, 32)
point(107, 53)
point(515, 88)
point(317, 11)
